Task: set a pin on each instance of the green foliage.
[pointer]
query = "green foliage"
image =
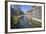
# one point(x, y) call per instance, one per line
point(19, 12)
point(14, 19)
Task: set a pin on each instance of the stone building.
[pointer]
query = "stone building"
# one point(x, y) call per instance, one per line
point(37, 13)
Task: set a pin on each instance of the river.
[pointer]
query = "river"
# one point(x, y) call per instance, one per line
point(23, 22)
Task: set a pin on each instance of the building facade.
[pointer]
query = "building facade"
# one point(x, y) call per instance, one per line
point(37, 12)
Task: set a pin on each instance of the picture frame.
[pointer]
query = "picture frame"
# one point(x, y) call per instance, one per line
point(8, 17)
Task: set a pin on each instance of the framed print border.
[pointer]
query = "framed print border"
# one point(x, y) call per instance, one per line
point(6, 16)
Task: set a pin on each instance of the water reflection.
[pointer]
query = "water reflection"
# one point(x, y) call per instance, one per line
point(23, 22)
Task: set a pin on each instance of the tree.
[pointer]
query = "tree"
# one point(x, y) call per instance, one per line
point(17, 13)
point(15, 10)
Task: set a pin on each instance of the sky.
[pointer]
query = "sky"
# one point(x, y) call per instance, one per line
point(24, 8)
